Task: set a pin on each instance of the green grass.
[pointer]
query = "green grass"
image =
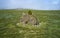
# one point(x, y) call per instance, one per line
point(11, 28)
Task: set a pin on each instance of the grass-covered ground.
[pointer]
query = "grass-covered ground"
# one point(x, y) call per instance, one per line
point(11, 28)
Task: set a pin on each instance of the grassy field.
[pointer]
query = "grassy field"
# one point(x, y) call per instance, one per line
point(49, 24)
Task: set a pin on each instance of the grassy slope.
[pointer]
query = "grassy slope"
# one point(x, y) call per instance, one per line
point(49, 27)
